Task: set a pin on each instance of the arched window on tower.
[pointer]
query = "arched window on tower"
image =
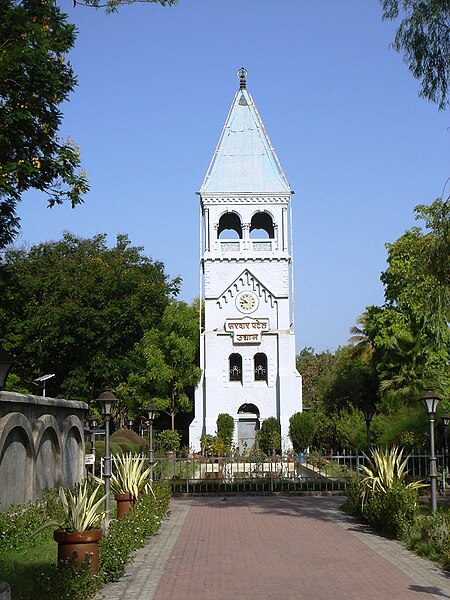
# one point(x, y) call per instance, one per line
point(261, 226)
point(235, 367)
point(260, 366)
point(230, 226)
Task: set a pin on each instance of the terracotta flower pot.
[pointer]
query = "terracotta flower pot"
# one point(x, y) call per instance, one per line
point(125, 502)
point(73, 547)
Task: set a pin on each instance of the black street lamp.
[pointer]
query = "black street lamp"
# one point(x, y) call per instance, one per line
point(130, 423)
point(430, 403)
point(369, 411)
point(445, 420)
point(106, 401)
point(92, 422)
point(6, 364)
point(152, 414)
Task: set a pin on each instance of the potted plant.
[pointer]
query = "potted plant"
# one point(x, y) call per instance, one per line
point(79, 531)
point(169, 442)
point(129, 479)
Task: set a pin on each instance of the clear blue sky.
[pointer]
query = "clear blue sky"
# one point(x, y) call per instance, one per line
point(357, 145)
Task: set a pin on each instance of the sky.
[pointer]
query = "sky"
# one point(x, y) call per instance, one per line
point(358, 146)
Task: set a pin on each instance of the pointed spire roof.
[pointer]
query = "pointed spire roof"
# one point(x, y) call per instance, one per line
point(244, 160)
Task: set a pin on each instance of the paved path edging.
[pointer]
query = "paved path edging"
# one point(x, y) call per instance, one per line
point(144, 572)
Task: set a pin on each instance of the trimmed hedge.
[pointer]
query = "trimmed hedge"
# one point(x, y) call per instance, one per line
point(393, 511)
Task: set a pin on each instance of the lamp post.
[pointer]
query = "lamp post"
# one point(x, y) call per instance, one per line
point(430, 403)
point(152, 413)
point(6, 364)
point(106, 401)
point(445, 420)
point(368, 411)
point(92, 421)
point(130, 423)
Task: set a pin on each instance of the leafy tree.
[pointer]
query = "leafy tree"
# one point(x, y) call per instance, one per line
point(350, 429)
point(410, 333)
point(36, 78)
point(77, 308)
point(302, 428)
point(437, 252)
point(166, 366)
point(315, 370)
point(35, 38)
point(269, 436)
point(424, 38)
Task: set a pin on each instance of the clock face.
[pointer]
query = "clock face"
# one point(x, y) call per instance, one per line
point(247, 302)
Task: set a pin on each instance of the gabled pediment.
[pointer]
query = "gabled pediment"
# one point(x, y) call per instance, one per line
point(245, 281)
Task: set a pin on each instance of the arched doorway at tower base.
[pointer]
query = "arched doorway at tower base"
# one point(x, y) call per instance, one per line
point(248, 425)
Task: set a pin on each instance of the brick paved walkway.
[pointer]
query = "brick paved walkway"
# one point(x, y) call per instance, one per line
point(274, 548)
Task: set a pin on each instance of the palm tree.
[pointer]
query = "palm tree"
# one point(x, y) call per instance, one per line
point(409, 368)
point(362, 346)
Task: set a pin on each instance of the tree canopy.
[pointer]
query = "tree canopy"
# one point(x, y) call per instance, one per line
point(166, 368)
point(423, 36)
point(77, 308)
point(409, 334)
point(36, 79)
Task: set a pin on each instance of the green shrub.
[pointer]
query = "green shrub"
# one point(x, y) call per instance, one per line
point(127, 446)
point(135, 441)
point(392, 511)
point(430, 536)
point(169, 440)
point(207, 442)
point(18, 523)
point(353, 493)
point(269, 436)
point(225, 428)
point(61, 582)
point(302, 428)
point(100, 451)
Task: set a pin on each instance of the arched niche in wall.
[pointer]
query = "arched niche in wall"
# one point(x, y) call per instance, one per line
point(47, 442)
point(230, 226)
point(73, 451)
point(16, 460)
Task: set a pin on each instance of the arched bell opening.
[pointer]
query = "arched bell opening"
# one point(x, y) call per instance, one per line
point(261, 226)
point(230, 226)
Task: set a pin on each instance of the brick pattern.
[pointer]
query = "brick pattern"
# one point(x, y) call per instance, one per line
point(278, 548)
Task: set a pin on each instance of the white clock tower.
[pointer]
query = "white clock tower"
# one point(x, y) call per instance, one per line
point(247, 341)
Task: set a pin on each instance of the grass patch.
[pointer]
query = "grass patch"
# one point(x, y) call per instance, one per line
point(22, 566)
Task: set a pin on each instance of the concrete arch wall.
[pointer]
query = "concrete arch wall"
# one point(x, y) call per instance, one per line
point(41, 445)
point(47, 443)
point(17, 457)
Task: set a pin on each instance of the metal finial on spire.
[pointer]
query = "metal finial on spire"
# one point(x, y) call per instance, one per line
point(242, 74)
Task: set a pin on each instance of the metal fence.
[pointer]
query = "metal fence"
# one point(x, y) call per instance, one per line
point(304, 473)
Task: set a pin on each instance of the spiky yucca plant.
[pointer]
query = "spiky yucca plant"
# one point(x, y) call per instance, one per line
point(81, 510)
point(130, 475)
point(386, 469)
